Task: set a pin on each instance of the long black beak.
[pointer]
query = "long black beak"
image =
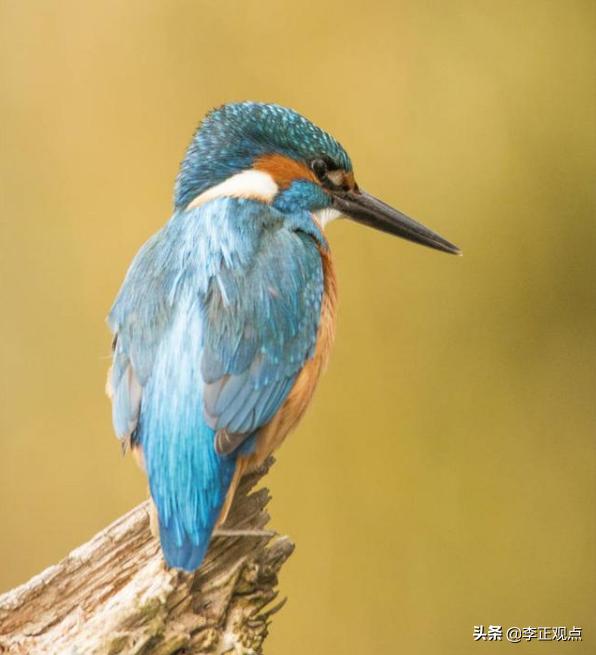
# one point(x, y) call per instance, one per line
point(366, 209)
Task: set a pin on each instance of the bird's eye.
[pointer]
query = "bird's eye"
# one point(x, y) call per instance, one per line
point(319, 168)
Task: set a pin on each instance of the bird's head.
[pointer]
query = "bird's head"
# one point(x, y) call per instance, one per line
point(273, 154)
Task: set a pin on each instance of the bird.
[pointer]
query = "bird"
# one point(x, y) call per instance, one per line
point(226, 316)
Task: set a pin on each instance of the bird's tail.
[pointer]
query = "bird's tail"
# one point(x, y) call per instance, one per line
point(188, 479)
point(187, 556)
point(187, 513)
point(182, 553)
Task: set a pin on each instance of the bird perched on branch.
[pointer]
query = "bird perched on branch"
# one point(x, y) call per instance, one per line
point(226, 316)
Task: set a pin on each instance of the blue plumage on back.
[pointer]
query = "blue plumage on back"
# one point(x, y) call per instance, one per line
point(217, 315)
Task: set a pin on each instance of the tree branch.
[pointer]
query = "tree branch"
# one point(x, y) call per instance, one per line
point(114, 595)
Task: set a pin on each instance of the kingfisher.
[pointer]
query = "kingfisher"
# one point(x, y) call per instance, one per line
point(226, 316)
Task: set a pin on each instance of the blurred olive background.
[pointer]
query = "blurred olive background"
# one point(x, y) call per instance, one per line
point(445, 475)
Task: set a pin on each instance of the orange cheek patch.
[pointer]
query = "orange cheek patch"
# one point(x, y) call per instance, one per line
point(349, 180)
point(283, 169)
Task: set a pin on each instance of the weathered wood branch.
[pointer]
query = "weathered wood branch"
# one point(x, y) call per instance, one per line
point(114, 595)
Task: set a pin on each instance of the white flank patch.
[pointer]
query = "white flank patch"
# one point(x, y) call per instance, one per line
point(248, 184)
point(325, 216)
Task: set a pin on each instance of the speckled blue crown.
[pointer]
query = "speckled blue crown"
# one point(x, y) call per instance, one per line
point(231, 137)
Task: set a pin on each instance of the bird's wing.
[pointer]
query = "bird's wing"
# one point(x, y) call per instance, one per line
point(260, 327)
point(139, 318)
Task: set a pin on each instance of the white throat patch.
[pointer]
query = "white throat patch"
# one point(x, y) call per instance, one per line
point(325, 216)
point(258, 185)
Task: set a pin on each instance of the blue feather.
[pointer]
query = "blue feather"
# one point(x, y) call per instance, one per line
point(217, 315)
point(230, 139)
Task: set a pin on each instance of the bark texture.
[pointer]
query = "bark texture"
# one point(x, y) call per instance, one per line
point(114, 595)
